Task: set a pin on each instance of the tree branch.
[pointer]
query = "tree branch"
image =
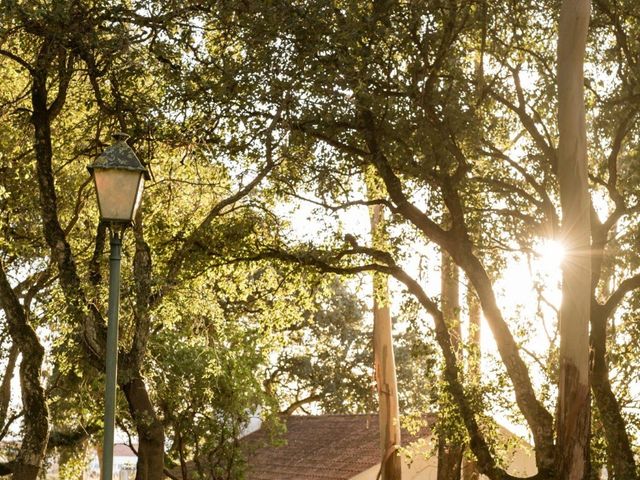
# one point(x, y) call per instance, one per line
point(17, 59)
point(181, 254)
point(616, 297)
point(299, 403)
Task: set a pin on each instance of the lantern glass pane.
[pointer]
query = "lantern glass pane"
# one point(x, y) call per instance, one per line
point(138, 196)
point(119, 193)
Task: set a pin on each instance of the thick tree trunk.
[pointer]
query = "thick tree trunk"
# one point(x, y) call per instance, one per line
point(574, 397)
point(384, 360)
point(385, 369)
point(450, 453)
point(36, 429)
point(28, 462)
point(149, 429)
point(43, 113)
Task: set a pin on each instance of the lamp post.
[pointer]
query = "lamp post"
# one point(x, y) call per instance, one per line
point(119, 178)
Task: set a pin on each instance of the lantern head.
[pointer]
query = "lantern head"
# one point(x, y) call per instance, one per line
point(119, 179)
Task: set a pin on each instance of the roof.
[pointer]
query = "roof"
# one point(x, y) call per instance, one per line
point(324, 447)
point(122, 450)
point(119, 156)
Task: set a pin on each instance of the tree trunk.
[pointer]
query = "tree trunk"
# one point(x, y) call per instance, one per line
point(28, 462)
point(385, 369)
point(149, 429)
point(619, 453)
point(384, 360)
point(99, 453)
point(450, 453)
point(470, 467)
point(620, 457)
point(5, 387)
point(574, 398)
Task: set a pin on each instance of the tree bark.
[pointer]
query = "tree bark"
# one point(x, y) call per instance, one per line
point(469, 467)
point(43, 114)
point(148, 427)
point(574, 396)
point(620, 457)
point(384, 360)
point(619, 453)
point(450, 453)
point(28, 462)
point(5, 387)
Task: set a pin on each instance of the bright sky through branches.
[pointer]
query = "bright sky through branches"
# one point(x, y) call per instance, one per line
point(551, 254)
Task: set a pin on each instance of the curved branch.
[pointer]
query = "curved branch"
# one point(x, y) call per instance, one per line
point(299, 403)
point(616, 297)
point(181, 254)
point(85, 313)
point(530, 125)
point(22, 62)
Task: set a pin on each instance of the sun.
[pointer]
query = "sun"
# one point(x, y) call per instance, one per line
point(552, 253)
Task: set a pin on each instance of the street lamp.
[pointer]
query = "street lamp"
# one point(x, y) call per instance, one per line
point(119, 180)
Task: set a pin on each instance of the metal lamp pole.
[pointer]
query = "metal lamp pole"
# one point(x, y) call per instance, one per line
point(119, 178)
point(115, 234)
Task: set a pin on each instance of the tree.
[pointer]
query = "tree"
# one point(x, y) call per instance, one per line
point(64, 68)
point(383, 351)
point(372, 108)
point(574, 397)
point(325, 361)
point(36, 426)
point(452, 107)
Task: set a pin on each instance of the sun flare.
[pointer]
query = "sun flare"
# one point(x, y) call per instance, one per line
point(552, 253)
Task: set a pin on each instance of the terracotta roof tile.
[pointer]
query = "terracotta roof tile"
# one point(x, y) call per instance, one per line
point(324, 447)
point(122, 450)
